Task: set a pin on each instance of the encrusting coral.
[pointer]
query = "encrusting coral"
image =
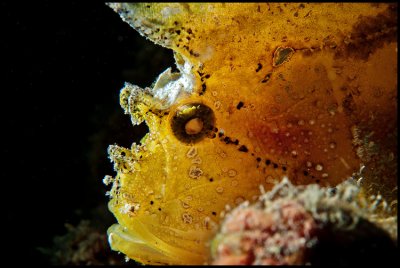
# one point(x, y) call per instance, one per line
point(305, 225)
point(263, 91)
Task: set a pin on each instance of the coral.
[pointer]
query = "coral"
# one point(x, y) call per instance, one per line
point(263, 91)
point(304, 225)
point(81, 245)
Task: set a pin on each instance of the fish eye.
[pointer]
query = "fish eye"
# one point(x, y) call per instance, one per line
point(192, 122)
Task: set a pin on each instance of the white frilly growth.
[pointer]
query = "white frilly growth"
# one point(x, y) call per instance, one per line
point(167, 89)
point(170, 86)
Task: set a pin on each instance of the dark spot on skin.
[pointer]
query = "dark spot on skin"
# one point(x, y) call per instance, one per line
point(178, 32)
point(349, 105)
point(284, 168)
point(308, 14)
point(275, 165)
point(211, 179)
point(317, 181)
point(267, 162)
point(281, 55)
point(258, 159)
point(266, 78)
point(151, 202)
point(227, 140)
point(240, 105)
point(194, 53)
point(203, 88)
point(214, 213)
point(259, 67)
point(305, 172)
point(243, 148)
point(207, 76)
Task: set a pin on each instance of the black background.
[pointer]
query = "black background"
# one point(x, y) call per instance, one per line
point(63, 65)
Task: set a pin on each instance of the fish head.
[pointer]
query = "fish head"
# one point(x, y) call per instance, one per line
point(262, 92)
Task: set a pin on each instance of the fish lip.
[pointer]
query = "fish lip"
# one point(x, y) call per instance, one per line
point(140, 240)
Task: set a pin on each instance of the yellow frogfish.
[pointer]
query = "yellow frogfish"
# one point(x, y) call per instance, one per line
point(264, 91)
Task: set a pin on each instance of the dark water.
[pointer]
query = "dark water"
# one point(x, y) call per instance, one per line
point(63, 66)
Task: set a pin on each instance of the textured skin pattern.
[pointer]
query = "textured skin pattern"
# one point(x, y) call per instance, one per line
point(306, 91)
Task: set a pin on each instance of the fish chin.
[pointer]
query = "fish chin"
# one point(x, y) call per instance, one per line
point(139, 243)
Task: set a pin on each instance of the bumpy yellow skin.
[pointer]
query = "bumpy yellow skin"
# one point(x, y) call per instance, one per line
point(307, 90)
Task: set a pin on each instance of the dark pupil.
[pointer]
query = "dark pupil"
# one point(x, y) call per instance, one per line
point(193, 122)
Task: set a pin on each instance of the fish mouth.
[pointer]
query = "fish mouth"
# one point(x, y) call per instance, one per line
point(142, 245)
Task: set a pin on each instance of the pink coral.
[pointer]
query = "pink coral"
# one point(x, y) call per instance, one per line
point(303, 225)
point(274, 238)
